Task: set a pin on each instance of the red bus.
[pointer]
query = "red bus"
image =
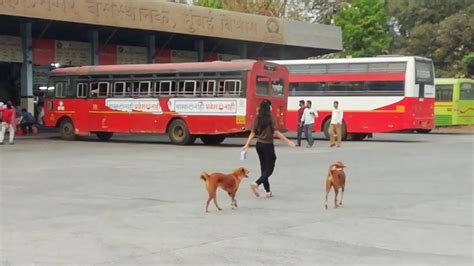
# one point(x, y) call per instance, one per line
point(210, 100)
point(379, 94)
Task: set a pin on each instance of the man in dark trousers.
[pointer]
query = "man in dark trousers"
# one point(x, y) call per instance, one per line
point(27, 121)
point(299, 125)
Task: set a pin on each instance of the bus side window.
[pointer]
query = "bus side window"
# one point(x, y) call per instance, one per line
point(166, 88)
point(232, 87)
point(209, 87)
point(82, 90)
point(119, 89)
point(187, 87)
point(144, 88)
point(99, 89)
point(60, 89)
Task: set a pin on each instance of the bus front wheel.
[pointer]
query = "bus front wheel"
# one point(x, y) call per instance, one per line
point(326, 125)
point(212, 139)
point(178, 133)
point(67, 129)
point(104, 136)
point(357, 136)
point(423, 131)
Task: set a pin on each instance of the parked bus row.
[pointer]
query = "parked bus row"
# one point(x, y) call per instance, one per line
point(213, 100)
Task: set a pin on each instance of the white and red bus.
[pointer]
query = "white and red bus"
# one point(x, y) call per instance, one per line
point(379, 94)
point(208, 100)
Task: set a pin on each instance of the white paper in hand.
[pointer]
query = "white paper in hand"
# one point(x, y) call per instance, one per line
point(243, 155)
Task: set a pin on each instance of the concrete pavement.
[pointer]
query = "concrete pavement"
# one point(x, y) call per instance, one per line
point(139, 201)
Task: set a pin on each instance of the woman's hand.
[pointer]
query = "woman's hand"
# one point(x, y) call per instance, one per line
point(291, 144)
point(245, 148)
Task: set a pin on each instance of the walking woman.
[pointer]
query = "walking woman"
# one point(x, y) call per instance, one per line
point(264, 129)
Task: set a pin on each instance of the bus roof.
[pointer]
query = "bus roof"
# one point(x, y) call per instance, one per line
point(215, 66)
point(350, 60)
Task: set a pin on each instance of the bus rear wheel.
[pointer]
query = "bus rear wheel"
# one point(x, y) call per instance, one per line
point(67, 129)
point(212, 139)
point(326, 125)
point(178, 133)
point(104, 136)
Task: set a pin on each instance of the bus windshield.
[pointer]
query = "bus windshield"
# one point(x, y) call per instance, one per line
point(266, 86)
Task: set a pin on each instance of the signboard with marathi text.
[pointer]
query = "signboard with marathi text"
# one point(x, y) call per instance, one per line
point(10, 49)
point(178, 18)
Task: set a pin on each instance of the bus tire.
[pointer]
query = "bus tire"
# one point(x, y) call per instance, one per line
point(178, 133)
point(104, 136)
point(357, 136)
point(326, 125)
point(212, 139)
point(67, 129)
point(423, 131)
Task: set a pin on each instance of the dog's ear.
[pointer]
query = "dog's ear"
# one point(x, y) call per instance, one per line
point(340, 164)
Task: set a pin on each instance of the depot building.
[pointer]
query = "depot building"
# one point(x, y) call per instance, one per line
point(38, 35)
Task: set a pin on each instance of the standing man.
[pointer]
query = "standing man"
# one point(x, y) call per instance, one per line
point(335, 129)
point(8, 122)
point(299, 125)
point(309, 115)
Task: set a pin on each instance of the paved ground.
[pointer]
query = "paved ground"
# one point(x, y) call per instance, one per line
point(408, 201)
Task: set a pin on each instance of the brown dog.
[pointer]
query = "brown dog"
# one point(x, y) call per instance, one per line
point(336, 178)
point(228, 182)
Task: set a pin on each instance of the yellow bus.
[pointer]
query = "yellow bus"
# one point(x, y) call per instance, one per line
point(454, 102)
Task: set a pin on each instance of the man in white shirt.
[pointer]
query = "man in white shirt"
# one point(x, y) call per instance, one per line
point(335, 128)
point(309, 115)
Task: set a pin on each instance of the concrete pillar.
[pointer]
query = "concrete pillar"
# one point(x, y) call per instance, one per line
point(27, 97)
point(94, 41)
point(151, 53)
point(243, 50)
point(199, 46)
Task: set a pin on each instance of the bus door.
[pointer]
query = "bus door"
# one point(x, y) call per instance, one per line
point(99, 115)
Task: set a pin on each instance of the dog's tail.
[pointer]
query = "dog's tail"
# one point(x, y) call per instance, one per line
point(204, 176)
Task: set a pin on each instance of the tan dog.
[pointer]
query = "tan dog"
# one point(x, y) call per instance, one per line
point(336, 178)
point(228, 182)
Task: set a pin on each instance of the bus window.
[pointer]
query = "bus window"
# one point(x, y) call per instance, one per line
point(99, 89)
point(467, 91)
point(386, 87)
point(232, 87)
point(187, 87)
point(166, 88)
point(424, 72)
point(144, 88)
point(262, 87)
point(444, 93)
point(82, 90)
point(209, 87)
point(120, 89)
point(345, 87)
point(60, 89)
point(277, 88)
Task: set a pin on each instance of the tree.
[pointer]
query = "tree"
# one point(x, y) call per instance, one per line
point(209, 3)
point(437, 29)
point(468, 61)
point(364, 28)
